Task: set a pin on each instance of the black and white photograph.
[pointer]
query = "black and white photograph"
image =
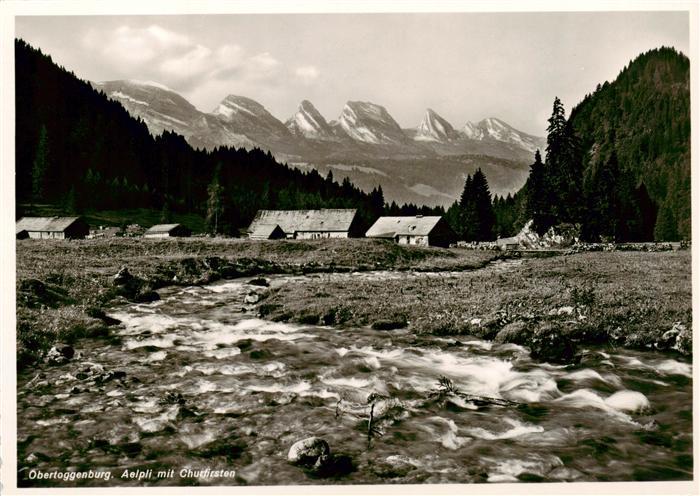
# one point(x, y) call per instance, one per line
point(445, 248)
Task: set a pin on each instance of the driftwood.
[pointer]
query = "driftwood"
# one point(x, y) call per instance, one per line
point(370, 427)
point(446, 388)
point(486, 400)
point(338, 410)
point(373, 430)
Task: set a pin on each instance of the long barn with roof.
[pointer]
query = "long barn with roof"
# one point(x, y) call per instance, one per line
point(167, 231)
point(305, 224)
point(413, 230)
point(51, 228)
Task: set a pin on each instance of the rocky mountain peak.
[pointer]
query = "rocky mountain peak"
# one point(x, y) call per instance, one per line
point(434, 127)
point(309, 123)
point(370, 123)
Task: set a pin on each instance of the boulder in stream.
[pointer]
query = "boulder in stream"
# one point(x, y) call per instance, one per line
point(133, 288)
point(259, 281)
point(122, 277)
point(390, 323)
point(678, 338)
point(98, 313)
point(252, 298)
point(314, 455)
point(309, 451)
point(394, 466)
point(553, 344)
point(146, 296)
point(516, 332)
point(60, 354)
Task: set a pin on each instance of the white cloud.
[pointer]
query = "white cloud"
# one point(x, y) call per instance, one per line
point(263, 67)
point(135, 46)
point(229, 53)
point(195, 60)
point(264, 61)
point(307, 74)
point(167, 38)
point(202, 73)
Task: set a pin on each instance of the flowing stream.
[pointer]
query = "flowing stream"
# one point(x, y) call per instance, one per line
point(209, 385)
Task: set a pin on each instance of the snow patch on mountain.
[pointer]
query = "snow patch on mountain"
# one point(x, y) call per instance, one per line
point(121, 96)
point(233, 104)
point(428, 191)
point(498, 130)
point(501, 131)
point(309, 123)
point(173, 119)
point(150, 83)
point(357, 168)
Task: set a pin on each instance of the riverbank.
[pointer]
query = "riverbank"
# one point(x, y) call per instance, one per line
point(552, 305)
point(196, 381)
point(64, 287)
point(634, 299)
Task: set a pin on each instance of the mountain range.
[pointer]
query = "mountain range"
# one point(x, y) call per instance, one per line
point(362, 128)
point(365, 143)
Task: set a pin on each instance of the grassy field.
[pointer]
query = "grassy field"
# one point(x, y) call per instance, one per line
point(550, 304)
point(63, 286)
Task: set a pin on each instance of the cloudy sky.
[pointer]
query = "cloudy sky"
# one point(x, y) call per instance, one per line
point(465, 66)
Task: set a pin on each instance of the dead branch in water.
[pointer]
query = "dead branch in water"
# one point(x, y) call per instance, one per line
point(447, 388)
point(373, 430)
point(338, 410)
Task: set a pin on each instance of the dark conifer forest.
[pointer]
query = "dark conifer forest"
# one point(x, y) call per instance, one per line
point(638, 128)
point(619, 166)
point(82, 151)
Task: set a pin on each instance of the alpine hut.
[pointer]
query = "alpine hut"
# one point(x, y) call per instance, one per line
point(167, 231)
point(305, 224)
point(413, 230)
point(51, 228)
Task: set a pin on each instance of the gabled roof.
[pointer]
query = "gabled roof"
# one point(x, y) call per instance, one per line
point(45, 224)
point(161, 228)
point(388, 227)
point(264, 231)
point(291, 221)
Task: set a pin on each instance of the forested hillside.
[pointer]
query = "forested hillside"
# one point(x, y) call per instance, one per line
point(78, 149)
point(619, 167)
point(644, 117)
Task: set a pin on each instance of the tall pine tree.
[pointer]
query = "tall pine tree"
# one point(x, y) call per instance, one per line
point(536, 207)
point(215, 203)
point(39, 166)
point(477, 218)
point(563, 174)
